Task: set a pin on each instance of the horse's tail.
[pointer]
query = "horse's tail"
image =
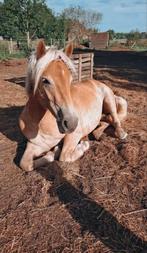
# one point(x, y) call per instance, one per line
point(121, 105)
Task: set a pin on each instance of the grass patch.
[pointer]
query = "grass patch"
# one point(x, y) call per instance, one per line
point(4, 55)
point(140, 48)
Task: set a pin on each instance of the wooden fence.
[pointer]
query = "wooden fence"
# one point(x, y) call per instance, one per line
point(84, 66)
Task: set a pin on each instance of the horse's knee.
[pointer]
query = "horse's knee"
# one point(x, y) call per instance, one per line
point(73, 155)
point(32, 151)
point(26, 164)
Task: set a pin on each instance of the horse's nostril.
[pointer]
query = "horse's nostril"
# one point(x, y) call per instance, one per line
point(60, 114)
point(65, 123)
point(68, 123)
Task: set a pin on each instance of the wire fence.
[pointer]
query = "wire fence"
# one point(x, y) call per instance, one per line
point(20, 48)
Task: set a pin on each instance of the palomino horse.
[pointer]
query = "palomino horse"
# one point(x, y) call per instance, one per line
point(59, 110)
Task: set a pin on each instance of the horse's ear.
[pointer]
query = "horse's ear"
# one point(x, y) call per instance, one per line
point(69, 50)
point(40, 49)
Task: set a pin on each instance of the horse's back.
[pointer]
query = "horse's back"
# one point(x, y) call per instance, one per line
point(86, 92)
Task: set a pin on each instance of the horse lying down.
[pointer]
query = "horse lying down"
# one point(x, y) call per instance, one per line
point(59, 110)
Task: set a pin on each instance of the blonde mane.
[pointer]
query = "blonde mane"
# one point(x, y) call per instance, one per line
point(36, 67)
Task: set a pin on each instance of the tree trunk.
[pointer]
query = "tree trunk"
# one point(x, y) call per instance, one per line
point(28, 39)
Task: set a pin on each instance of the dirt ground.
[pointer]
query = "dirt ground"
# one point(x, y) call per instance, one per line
point(97, 204)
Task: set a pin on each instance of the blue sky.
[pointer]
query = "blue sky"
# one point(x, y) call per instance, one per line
point(119, 15)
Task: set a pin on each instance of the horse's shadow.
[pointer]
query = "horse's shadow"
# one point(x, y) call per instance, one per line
point(9, 127)
point(91, 216)
point(17, 80)
point(9, 122)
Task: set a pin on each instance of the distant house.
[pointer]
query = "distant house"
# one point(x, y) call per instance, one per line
point(99, 40)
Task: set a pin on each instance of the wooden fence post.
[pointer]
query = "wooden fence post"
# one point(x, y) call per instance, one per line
point(80, 67)
point(11, 46)
point(91, 64)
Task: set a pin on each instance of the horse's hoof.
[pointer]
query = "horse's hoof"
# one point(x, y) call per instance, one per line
point(85, 145)
point(123, 136)
point(120, 133)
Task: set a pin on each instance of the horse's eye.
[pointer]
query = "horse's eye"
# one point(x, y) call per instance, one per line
point(45, 81)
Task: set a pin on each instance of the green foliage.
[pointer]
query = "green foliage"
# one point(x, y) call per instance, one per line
point(133, 35)
point(57, 31)
point(4, 55)
point(25, 49)
point(8, 19)
point(111, 34)
point(140, 48)
point(18, 17)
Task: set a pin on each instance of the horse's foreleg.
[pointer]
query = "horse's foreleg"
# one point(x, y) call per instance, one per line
point(72, 149)
point(28, 163)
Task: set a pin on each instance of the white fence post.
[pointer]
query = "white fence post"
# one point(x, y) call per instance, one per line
point(11, 46)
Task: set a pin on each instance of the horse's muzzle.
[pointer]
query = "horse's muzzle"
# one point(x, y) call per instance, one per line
point(67, 121)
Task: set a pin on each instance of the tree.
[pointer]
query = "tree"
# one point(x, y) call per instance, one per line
point(134, 35)
point(57, 31)
point(8, 19)
point(25, 17)
point(88, 18)
point(80, 21)
point(111, 34)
